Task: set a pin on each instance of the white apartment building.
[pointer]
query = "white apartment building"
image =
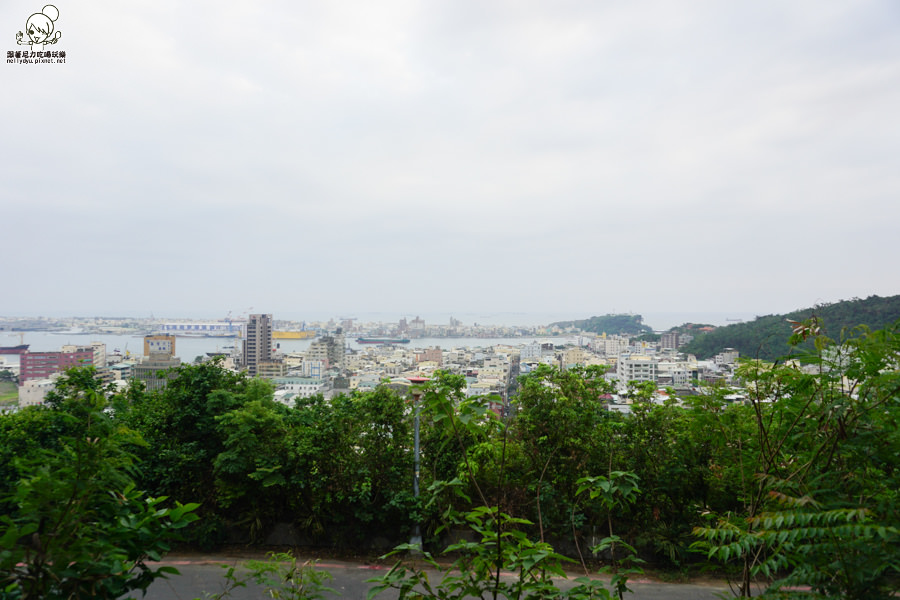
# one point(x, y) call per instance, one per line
point(457, 355)
point(531, 352)
point(484, 388)
point(314, 368)
point(636, 367)
point(293, 360)
point(317, 351)
point(578, 356)
point(726, 357)
point(495, 373)
point(33, 391)
point(302, 387)
point(355, 362)
point(497, 361)
point(680, 372)
point(612, 345)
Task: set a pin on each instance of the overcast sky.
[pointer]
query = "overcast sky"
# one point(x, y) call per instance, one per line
point(566, 157)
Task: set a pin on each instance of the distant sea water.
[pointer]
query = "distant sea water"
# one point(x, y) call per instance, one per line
point(659, 321)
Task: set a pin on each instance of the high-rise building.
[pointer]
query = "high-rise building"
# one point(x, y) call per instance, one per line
point(99, 354)
point(257, 343)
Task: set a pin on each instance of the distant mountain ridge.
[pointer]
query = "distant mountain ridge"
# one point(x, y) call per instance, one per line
point(767, 337)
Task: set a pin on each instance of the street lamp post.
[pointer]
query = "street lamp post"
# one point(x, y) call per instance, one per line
point(417, 395)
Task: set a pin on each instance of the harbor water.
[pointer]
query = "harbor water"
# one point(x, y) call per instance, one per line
point(188, 348)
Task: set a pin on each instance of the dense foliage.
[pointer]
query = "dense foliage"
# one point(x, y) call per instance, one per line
point(336, 471)
point(768, 337)
point(609, 324)
point(818, 470)
point(74, 525)
point(499, 542)
point(799, 486)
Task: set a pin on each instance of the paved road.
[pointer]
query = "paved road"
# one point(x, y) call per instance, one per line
point(201, 577)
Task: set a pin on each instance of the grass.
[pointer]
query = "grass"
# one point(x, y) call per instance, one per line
point(9, 393)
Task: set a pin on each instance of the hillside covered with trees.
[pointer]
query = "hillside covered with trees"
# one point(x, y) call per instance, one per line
point(767, 336)
point(609, 324)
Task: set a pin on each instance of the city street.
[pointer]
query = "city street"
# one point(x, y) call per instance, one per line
point(203, 577)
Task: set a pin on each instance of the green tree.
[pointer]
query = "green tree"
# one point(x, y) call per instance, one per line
point(76, 525)
point(501, 540)
point(655, 442)
point(250, 470)
point(819, 502)
point(339, 468)
point(560, 422)
point(381, 477)
point(179, 424)
point(23, 433)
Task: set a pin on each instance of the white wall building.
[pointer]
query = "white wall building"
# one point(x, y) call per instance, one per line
point(636, 367)
point(679, 372)
point(531, 352)
point(726, 357)
point(33, 391)
point(314, 368)
point(495, 373)
point(302, 387)
point(612, 345)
